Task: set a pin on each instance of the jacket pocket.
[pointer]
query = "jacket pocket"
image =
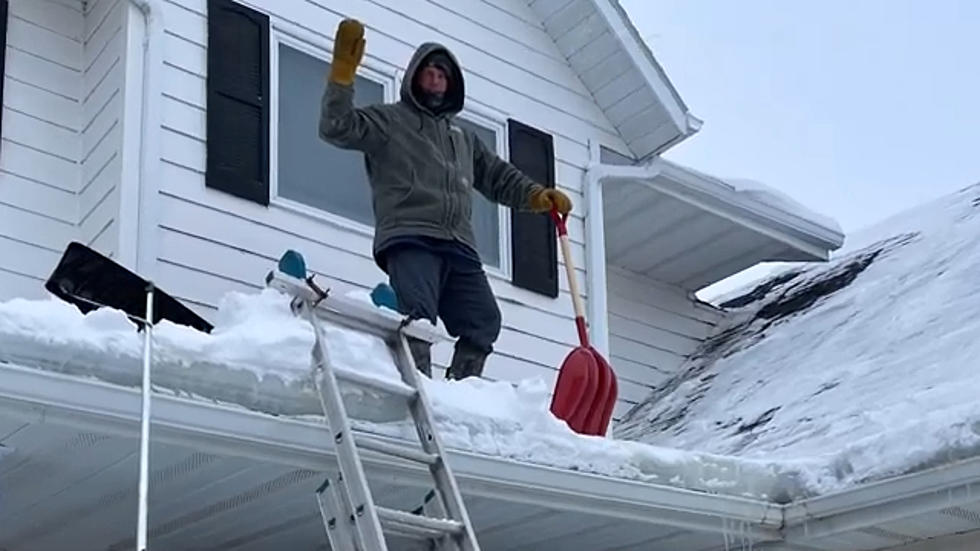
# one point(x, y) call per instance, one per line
point(463, 155)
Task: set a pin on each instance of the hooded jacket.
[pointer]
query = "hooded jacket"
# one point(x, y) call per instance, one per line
point(422, 168)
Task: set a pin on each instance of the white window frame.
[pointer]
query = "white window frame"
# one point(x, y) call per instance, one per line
point(498, 124)
point(391, 82)
point(368, 70)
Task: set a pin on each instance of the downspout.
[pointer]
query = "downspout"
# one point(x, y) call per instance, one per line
point(141, 250)
point(597, 174)
point(595, 251)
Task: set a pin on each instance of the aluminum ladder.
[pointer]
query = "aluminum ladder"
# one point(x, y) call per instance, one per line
point(352, 520)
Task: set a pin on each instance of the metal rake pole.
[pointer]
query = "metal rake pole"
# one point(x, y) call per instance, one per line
point(141, 530)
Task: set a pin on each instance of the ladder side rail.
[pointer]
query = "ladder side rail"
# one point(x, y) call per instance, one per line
point(421, 408)
point(367, 525)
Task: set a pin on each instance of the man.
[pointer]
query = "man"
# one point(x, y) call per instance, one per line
point(422, 170)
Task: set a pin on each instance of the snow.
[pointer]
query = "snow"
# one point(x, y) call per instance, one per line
point(770, 196)
point(760, 193)
point(857, 370)
point(258, 354)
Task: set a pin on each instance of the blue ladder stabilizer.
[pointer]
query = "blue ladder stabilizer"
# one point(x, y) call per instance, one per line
point(293, 264)
point(384, 296)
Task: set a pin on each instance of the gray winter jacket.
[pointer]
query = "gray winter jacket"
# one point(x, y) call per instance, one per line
point(422, 168)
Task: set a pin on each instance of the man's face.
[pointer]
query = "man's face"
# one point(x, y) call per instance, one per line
point(432, 80)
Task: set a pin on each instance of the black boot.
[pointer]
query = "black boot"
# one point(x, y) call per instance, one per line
point(421, 353)
point(467, 362)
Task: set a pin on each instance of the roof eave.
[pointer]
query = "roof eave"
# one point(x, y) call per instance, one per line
point(810, 238)
point(684, 123)
point(799, 232)
point(884, 501)
point(38, 395)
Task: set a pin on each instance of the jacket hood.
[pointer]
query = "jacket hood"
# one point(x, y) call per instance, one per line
point(456, 91)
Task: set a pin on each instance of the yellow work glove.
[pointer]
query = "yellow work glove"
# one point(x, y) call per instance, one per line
point(542, 199)
point(348, 49)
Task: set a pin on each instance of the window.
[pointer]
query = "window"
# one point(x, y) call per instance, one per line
point(486, 215)
point(310, 171)
point(316, 175)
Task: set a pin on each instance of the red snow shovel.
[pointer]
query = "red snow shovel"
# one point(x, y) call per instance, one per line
point(585, 391)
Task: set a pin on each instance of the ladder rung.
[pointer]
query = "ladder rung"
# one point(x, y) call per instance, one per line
point(396, 450)
point(417, 524)
point(384, 385)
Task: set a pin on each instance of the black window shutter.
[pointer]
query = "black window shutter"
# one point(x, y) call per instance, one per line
point(238, 101)
point(533, 239)
point(3, 53)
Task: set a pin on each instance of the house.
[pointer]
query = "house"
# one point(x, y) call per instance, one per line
point(111, 144)
point(178, 137)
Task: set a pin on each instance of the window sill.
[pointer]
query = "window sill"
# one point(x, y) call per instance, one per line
point(334, 220)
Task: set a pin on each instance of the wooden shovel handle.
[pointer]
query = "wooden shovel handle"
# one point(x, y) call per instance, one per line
point(569, 268)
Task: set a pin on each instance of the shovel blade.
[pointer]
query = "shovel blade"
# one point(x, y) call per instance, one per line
point(575, 388)
point(605, 398)
point(90, 280)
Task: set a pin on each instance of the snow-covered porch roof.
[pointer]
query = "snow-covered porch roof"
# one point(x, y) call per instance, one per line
point(242, 480)
point(686, 228)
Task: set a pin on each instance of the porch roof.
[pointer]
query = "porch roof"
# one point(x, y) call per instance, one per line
point(242, 480)
point(689, 229)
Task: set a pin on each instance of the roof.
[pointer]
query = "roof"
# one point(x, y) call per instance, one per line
point(689, 229)
point(838, 369)
point(603, 47)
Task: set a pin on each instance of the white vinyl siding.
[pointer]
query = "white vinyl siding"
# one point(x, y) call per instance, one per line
point(41, 142)
point(59, 164)
point(653, 328)
point(102, 80)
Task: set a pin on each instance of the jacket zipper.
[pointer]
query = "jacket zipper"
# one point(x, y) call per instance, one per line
point(440, 127)
point(453, 176)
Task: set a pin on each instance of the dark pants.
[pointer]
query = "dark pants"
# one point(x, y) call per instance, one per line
point(443, 279)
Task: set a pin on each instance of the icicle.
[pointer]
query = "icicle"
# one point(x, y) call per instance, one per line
point(725, 534)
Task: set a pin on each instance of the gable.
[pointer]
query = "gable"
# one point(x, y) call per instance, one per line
point(614, 64)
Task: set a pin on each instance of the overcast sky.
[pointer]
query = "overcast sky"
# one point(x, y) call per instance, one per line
point(856, 108)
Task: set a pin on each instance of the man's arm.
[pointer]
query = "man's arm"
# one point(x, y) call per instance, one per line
point(345, 126)
point(340, 123)
point(503, 183)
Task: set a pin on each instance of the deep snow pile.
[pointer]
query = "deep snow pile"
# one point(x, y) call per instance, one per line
point(867, 365)
point(258, 356)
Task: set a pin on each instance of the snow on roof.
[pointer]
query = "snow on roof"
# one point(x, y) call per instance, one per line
point(764, 194)
point(865, 366)
point(778, 200)
point(257, 357)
